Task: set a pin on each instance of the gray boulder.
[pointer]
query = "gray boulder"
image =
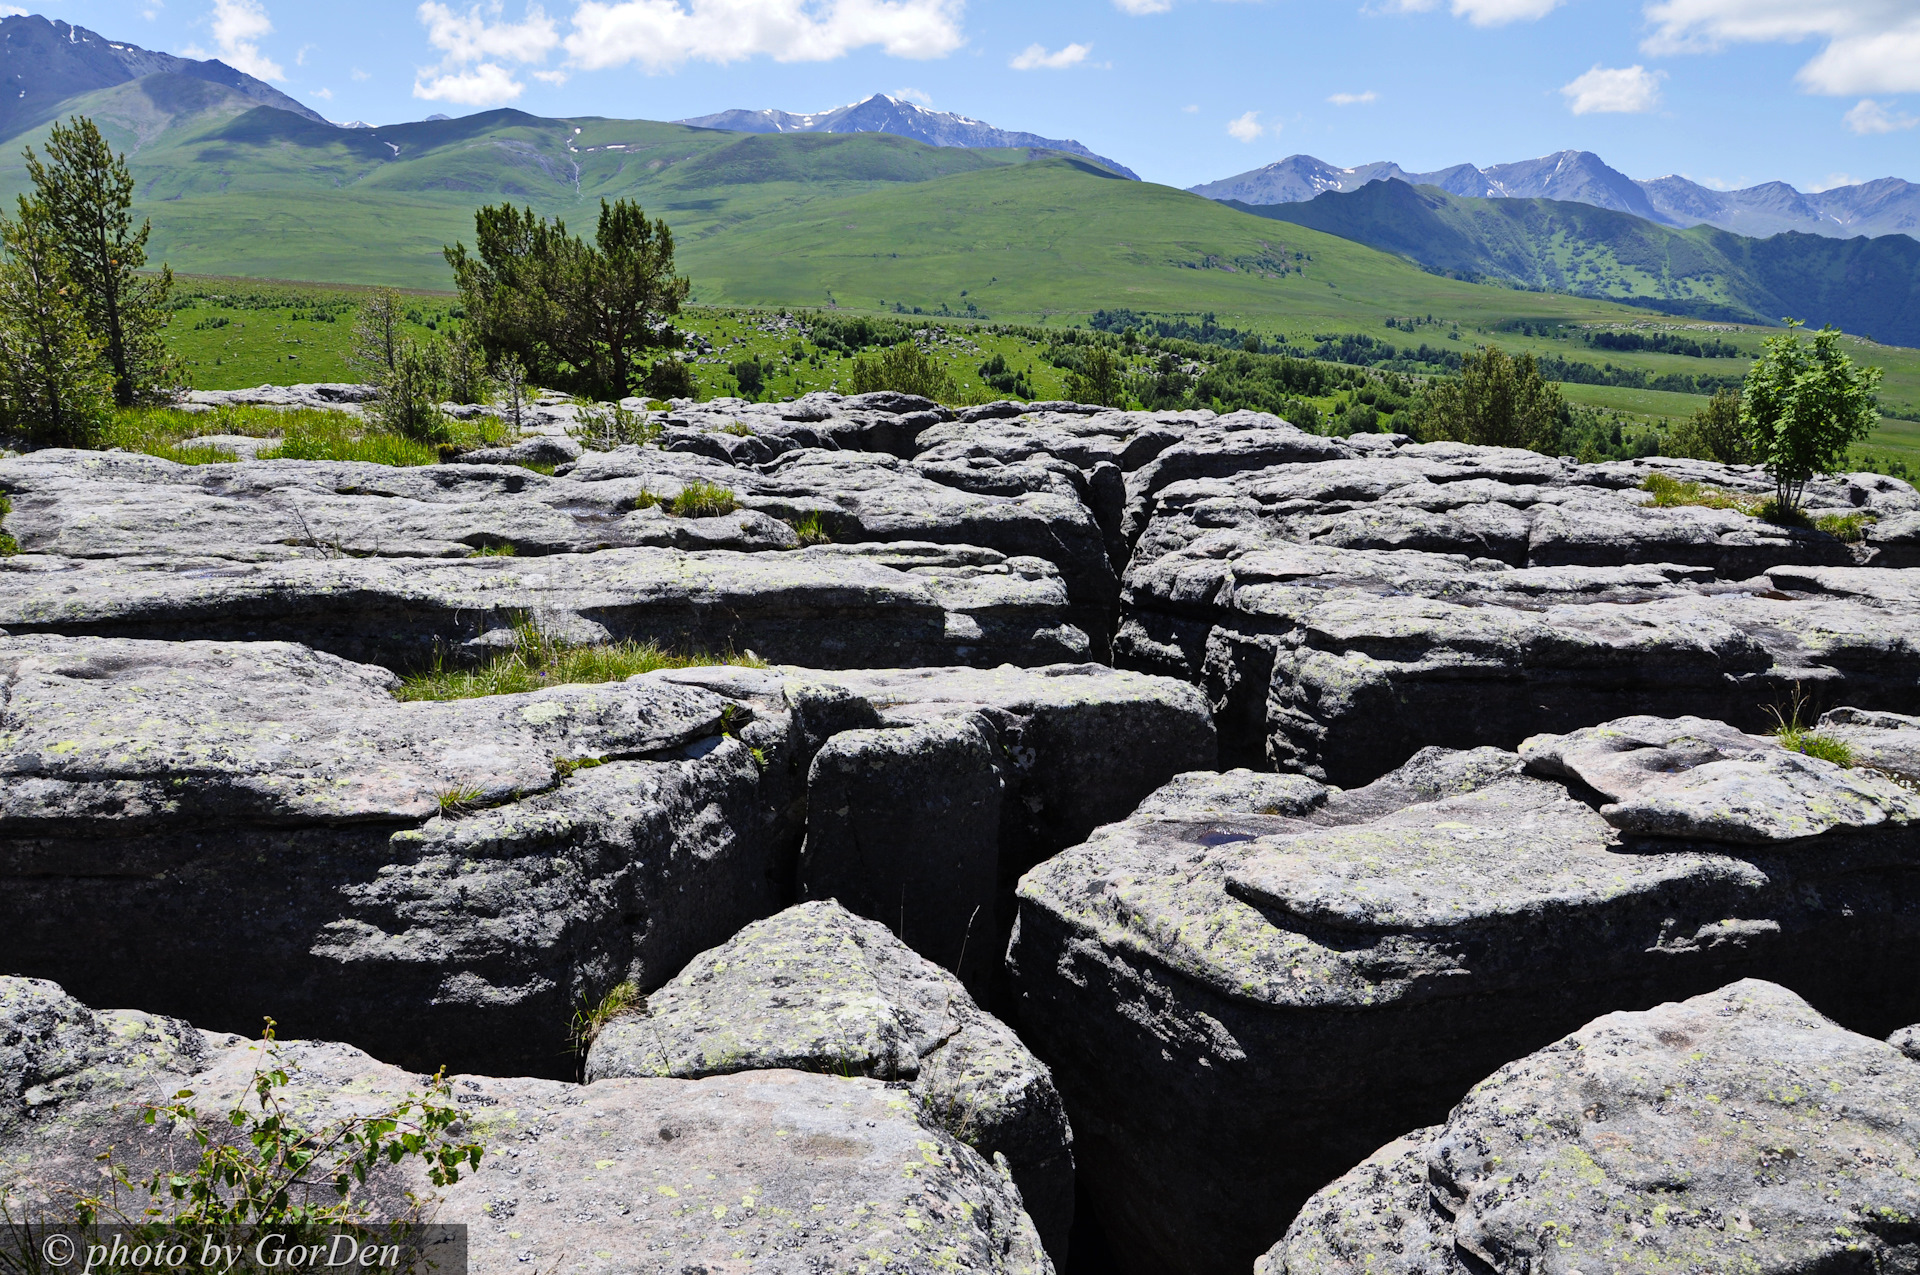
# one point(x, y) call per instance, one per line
point(828, 606)
point(818, 989)
point(777, 1170)
point(443, 882)
point(1907, 1041)
point(1239, 999)
point(1695, 779)
point(1676, 1138)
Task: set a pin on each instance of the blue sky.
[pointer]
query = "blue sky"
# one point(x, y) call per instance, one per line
point(1728, 92)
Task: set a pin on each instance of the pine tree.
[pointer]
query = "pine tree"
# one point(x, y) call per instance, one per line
point(54, 380)
point(84, 194)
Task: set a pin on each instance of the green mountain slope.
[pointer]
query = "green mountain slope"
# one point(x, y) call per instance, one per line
point(1863, 285)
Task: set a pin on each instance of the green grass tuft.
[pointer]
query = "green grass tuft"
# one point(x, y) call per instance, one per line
point(1851, 528)
point(536, 660)
point(703, 500)
point(620, 1001)
point(8, 545)
point(1670, 493)
point(1797, 737)
point(738, 430)
point(811, 527)
point(493, 551)
point(565, 766)
point(459, 800)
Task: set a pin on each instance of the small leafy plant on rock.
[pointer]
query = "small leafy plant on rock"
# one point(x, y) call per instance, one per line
point(263, 1163)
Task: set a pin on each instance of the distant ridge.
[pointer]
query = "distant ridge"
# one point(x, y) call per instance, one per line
point(1888, 206)
point(45, 63)
point(1869, 286)
point(883, 114)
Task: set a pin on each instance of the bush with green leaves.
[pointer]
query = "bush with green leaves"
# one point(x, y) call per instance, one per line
point(601, 427)
point(1099, 378)
point(1712, 433)
point(411, 391)
point(8, 545)
point(903, 368)
point(1804, 405)
point(262, 1163)
point(1496, 401)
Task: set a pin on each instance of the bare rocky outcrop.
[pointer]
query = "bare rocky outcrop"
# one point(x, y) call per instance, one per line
point(446, 882)
point(1245, 988)
point(831, 606)
point(1710, 1134)
point(786, 1172)
point(818, 989)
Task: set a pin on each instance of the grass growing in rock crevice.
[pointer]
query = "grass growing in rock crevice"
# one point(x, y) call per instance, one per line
point(537, 660)
point(1797, 737)
point(8, 545)
point(1671, 493)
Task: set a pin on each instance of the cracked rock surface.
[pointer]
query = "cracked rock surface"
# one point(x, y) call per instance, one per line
point(818, 989)
point(1736, 1131)
point(1242, 991)
point(786, 1172)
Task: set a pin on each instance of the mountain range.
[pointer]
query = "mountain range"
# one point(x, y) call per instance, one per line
point(45, 64)
point(1865, 285)
point(1884, 207)
point(883, 114)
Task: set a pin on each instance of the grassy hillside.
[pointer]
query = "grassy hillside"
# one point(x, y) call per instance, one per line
point(1863, 285)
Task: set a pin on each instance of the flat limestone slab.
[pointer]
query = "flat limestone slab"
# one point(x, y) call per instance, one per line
point(1736, 1131)
point(825, 607)
point(774, 1171)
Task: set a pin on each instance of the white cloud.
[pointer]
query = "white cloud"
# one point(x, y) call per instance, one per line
point(1191, 110)
point(1833, 181)
point(1036, 58)
point(1627, 90)
point(238, 27)
point(555, 78)
point(1870, 117)
point(358, 74)
point(479, 35)
point(487, 84)
point(1354, 99)
point(1248, 128)
point(914, 95)
point(1140, 8)
point(1872, 46)
point(662, 34)
point(325, 95)
point(474, 45)
point(1485, 13)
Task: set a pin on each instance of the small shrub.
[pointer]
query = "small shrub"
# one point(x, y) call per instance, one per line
point(703, 500)
point(904, 368)
point(601, 427)
point(567, 766)
point(1782, 515)
point(669, 378)
point(260, 1164)
point(811, 527)
point(738, 430)
point(1851, 528)
point(8, 545)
